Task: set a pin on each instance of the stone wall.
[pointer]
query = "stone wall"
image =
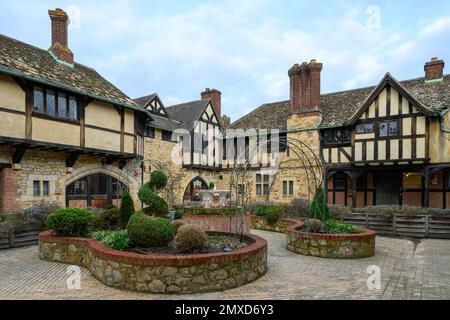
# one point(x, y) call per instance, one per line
point(334, 246)
point(159, 273)
point(222, 223)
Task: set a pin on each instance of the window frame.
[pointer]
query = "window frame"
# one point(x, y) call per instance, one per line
point(345, 137)
point(146, 131)
point(288, 188)
point(262, 182)
point(164, 135)
point(37, 193)
point(58, 96)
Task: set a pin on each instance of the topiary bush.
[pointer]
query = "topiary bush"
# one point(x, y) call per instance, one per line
point(319, 207)
point(158, 180)
point(148, 232)
point(190, 238)
point(126, 208)
point(273, 214)
point(69, 222)
point(177, 224)
point(156, 206)
point(108, 219)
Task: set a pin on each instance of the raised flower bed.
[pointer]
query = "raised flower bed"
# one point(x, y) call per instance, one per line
point(280, 226)
point(335, 246)
point(159, 273)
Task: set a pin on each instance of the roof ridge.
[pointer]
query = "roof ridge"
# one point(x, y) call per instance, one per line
point(185, 103)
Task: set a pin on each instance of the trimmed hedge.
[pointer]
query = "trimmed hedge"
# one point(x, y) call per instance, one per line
point(126, 208)
point(147, 231)
point(69, 222)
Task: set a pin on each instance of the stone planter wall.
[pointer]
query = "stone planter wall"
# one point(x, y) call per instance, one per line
point(281, 226)
point(221, 223)
point(335, 246)
point(159, 273)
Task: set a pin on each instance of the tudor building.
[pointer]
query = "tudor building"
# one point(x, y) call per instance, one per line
point(382, 145)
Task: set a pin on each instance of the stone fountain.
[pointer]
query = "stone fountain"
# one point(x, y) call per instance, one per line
point(214, 198)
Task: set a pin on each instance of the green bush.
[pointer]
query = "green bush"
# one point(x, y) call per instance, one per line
point(336, 227)
point(126, 208)
point(147, 231)
point(319, 207)
point(69, 222)
point(274, 214)
point(2, 217)
point(314, 226)
point(177, 224)
point(156, 206)
point(158, 180)
point(190, 238)
point(108, 219)
point(261, 210)
point(211, 186)
point(178, 214)
point(117, 240)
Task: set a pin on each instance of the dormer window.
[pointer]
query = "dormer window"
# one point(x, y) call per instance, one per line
point(54, 104)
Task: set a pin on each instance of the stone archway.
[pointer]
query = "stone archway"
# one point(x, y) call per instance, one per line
point(190, 193)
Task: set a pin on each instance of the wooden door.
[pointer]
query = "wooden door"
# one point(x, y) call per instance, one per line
point(388, 188)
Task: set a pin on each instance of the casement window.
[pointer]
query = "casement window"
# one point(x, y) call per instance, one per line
point(388, 128)
point(167, 135)
point(41, 188)
point(337, 136)
point(340, 182)
point(55, 104)
point(262, 184)
point(149, 131)
point(36, 188)
point(365, 128)
point(288, 188)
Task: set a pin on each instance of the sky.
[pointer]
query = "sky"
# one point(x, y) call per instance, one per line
point(244, 48)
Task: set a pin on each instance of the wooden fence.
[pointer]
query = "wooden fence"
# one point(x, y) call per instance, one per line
point(416, 227)
point(14, 239)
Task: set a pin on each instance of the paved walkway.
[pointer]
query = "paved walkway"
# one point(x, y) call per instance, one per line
point(409, 270)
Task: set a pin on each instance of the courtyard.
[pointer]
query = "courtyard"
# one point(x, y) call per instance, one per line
point(410, 269)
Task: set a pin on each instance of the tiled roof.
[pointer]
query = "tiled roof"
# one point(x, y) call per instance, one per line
point(338, 107)
point(23, 60)
point(188, 112)
point(144, 101)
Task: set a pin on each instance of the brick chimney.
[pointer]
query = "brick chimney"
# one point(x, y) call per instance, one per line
point(216, 97)
point(226, 121)
point(60, 42)
point(305, 86)
point(434, 69)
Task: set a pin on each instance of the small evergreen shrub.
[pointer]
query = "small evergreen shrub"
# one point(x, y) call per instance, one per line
point(273, 214)
point(190, 238)
point(117, 240)
point(261, 210)
point(108, 219)
point(336, 227)
point(126, 208)
point(147, 231)
point(319, 207)
point(177, 224)
point(69, 222)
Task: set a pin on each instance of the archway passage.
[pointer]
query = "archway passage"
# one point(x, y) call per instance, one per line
point(191, 194)
point(94, 191)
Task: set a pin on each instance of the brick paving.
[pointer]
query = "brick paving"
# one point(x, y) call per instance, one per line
point(409, 270)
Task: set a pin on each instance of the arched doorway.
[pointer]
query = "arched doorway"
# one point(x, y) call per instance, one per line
point(98, 190)
point(191, 193)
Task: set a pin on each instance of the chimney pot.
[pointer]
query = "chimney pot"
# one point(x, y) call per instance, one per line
point(305, 86)
point(60, 42)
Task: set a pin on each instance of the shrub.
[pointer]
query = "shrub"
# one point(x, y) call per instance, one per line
point(108, 219)
point(178, 215)
point(147, 231)
point(261, 210)
point(156, 205)
point(190, 238)
point(319, 207)
point(2, 217)
point(273, 214)
point(334, 226)
point(126, 208)
point(38, 213)
point(117, 240)
point(314, 226)
point(69, 222)
point(158, 180)
point(298, 208)
point(339, 211)
point(211, 186)
point(177, 224)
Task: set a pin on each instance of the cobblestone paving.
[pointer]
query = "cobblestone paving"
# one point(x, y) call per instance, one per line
point(409, 270)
